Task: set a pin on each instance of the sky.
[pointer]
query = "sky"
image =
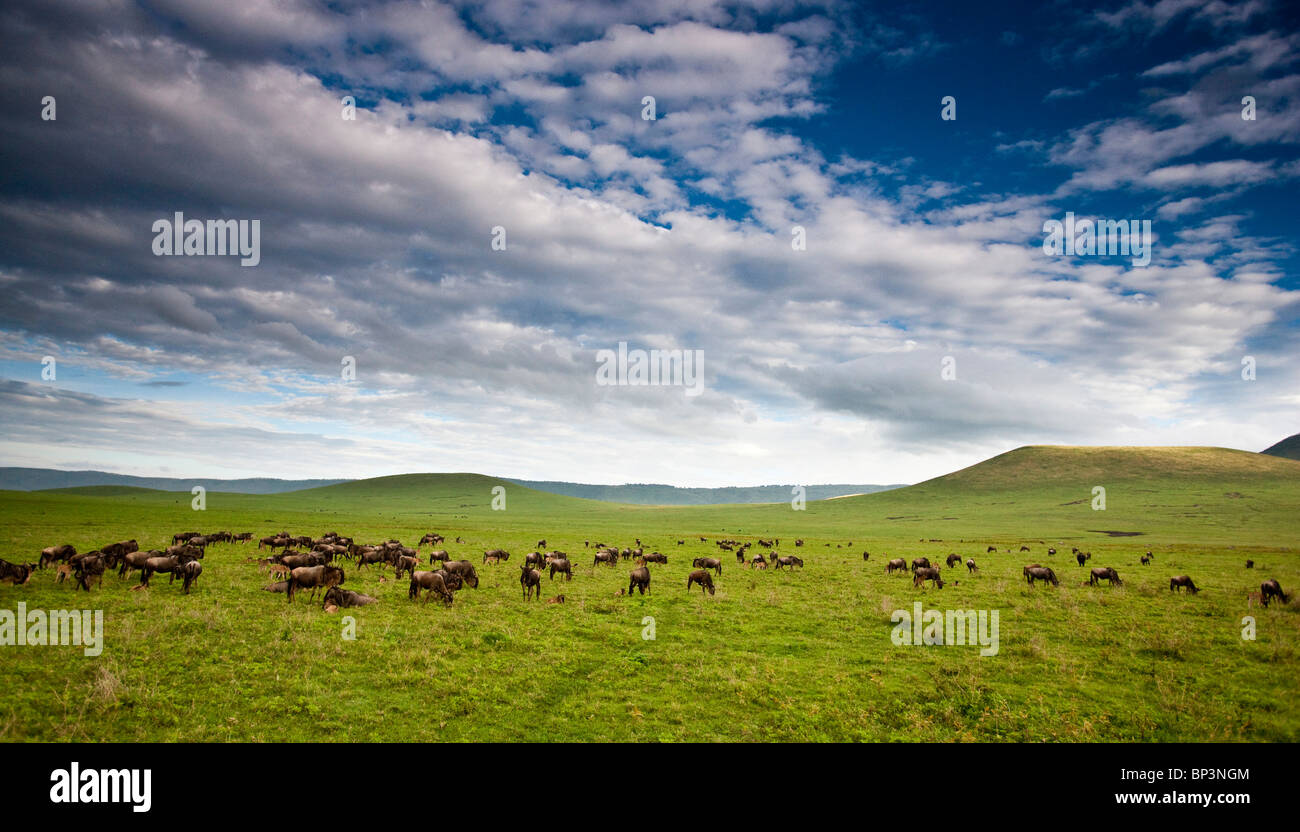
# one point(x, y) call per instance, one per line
point(466, 203)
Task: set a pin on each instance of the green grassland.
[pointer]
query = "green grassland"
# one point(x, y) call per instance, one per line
point(792, 656)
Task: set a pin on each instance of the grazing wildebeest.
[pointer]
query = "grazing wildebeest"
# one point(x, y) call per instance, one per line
point(340, 597)
point(1100, 573)
point(496, 555)
point(1051, 551)
point(167, 563)
point(927, 573)
point(87, 566)
point(757, 562)
point(190, 572)
point(788, 561)
point(605, 557)
point(18, 573)
point(681, 543)
point(896, 565)
point(56, 553)
point(464, 569)
point(433, 582)
point(639, 579)
point(278, 586)
point(116, 551)
point(438, 555)
point(435, 539)
point(538, 560)
point(136, 560)
point(183, 536)
point(313, 578)
point(1250, 564)
point(970, 565)
point(541, 544)
point(701, 577)
point(798, 542)
point(1146, 561)
point(1182, 582)
point(242, 537)
point(1082, 557)
point(1272, 589)
point(405, 564)
point(655, 557)
point(708, 563)
point(562, 566)
point(918, 563)
point(531, 581)
point(953, 558)
point(991, 549)
point(295, 559)
point(1040, 573)
point(1024, 548)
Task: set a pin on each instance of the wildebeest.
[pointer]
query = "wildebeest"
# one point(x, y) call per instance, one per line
point(242, 537)
point(559, 599)
point(538, 560)
point(434, 583)
point(496, 555)
point(340, 597)
point(405, 563)
point(1040, 573)
point(787, 561)
point(277, 586)
point(1182, 582)
point(701, 577)
point(435, 539)
point(1104, 573)
point(927, 573)
point(541, 544)
point(464, 569)
point(709, 563)
point(919, 563)
point(562, 566)
point(371, 554)
point(1272, 589)
point(970, 565)
point(166, 563)
point(953, 558)
point(56, 553)
point(990, 549)
point(1051, 551)
point(1082, 557)
point(295, 559)
point(1250, 564)
point(1024, 548)
point(438, 555)
point(90, 565)
point(896, 565)
point(313, 578)
point(18, 573)
point(116, 551)
point(607, 557)
point(181, 537)
point(135, 560)
point(639, 579)
point(866, 556)
point(190, 572)
point(655, 557)
point(531, 581)
point(1145, 560)
point(757, 562)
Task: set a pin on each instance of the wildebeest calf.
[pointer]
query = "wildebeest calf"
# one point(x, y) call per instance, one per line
point(531, 581)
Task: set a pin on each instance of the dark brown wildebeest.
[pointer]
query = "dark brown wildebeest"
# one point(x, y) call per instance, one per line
point(183, 536)
point(1104, 573)
point(278, 586)
point(896, 565)
point(639, 579)
point(1153, 557)
point(184, 550)
point(991, 549)
point(166, 563)
point(435, 539)
point(116, 551)
point(709, 563)
point(136, 560)
point(464, 569)
point(541, 544)
point(1250, 564)
point(340, 597)
point(18, 573)
point(1051, 551)
point(866, 556)
point(370, 554)
point(295, 559)
point(927, 573)
point(438, 555)
point(787, 561)
point(606, 557)
point(1182, 582)
point(190, 572)
point(562, 566)
point(496, 555)
point(1146, 561)
point(655, 557)
point(1040, 573)
point(242, 537)
point(52, 554)
point(681, 543)
point(1024, 548)
point(919, 563)
point(740, 557)
point(970, 565)
point(405, 564)
point(1272, 589)
point(1083, 557)
point(953, 558)
point(538, 561)
point(434, 583)
point(313, 578)
point(757, 562)
point(87, 566)
point(701, 577)
point(798, 542)
point(531, 581)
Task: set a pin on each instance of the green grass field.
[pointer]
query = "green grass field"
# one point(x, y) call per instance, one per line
point(800, 656)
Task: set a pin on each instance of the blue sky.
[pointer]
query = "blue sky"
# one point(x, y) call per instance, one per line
point(923, 235)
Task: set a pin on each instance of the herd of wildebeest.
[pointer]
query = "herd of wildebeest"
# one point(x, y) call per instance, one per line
point(301, 562)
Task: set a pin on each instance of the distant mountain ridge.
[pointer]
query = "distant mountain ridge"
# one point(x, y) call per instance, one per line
point(41, 479)
point(654, 494)
point(1289, 448)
